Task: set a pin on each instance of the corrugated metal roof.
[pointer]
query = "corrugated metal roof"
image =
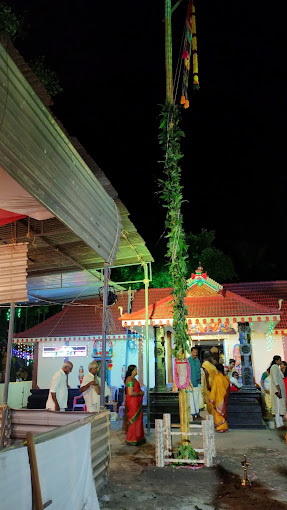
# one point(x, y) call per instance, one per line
point(40, 157)
point(13, 273)
point(63, 287)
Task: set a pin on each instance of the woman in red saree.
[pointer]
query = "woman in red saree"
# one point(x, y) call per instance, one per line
point(134, 397)
point(219, 399)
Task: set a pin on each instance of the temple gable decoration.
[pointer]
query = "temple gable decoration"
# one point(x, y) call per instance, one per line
point(199, 284)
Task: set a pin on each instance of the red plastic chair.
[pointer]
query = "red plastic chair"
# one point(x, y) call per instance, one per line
point(75, 405)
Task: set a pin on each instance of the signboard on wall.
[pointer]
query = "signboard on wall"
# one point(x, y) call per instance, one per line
point(64, 351)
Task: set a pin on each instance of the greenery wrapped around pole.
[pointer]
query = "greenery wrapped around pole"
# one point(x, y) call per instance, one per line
point(171, 195)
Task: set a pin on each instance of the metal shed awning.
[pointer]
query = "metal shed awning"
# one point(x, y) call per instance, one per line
point(40, 157)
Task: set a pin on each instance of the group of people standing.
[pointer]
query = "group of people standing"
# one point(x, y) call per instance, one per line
point(209, 386)
point(274, 387)
point(90, 388)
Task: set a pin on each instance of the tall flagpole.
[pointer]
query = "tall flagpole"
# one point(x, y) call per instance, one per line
point(104, 333)
point(182, 395)
point(146, 285)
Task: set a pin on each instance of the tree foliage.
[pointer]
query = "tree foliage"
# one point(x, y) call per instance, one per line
point(9, 21)
point(47, 77)
point(217, 264)
point(10, 24)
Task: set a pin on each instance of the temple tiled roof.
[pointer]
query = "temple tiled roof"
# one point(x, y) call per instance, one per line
point(216, 306)
point(272, 294)
point(82, 319)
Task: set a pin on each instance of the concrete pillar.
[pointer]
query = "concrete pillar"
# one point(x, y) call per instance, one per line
point(160, 381)
point(169, 357)
point(140, 361)
point(246, 358)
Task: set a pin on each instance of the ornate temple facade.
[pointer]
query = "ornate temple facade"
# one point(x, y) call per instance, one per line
point(242, 321)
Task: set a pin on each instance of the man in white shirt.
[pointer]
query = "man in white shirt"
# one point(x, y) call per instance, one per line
point(91, 389)
point(58, 395)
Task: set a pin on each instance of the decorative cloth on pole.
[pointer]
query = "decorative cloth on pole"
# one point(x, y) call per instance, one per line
point(13, 273)
point(189, 48)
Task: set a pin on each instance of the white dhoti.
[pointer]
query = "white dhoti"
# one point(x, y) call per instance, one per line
point(195, 401)
point(93, 408)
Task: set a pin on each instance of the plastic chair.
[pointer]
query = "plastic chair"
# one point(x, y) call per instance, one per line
point(144, 388)
point(82, 405)
point(121, 411)
point(114, 397)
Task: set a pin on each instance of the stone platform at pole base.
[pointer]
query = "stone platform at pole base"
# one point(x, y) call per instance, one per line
point(244, 409)
point(164, 403)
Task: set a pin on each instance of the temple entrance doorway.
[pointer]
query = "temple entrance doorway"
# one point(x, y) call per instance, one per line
point(215, 347)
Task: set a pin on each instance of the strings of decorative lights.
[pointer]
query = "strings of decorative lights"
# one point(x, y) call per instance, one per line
point(270, 338)
point(25, 352)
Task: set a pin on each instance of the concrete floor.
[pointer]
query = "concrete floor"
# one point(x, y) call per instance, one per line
point(136, 484)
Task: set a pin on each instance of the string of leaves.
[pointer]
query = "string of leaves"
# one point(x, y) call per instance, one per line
point(185, 452)
point(171, 195)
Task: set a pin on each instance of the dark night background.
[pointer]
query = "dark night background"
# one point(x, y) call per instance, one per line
point(110, 60)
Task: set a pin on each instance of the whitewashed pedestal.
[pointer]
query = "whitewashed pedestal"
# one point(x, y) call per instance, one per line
point(163, 442)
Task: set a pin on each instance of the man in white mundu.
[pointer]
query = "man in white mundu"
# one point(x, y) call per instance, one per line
point(195, 389)
point(58, 395)
point(91, 389)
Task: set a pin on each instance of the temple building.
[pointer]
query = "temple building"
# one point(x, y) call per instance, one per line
point(244, 321)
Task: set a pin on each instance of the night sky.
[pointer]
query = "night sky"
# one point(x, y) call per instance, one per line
point(110, 60)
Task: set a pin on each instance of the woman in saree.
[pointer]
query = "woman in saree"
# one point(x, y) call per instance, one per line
point(219, 398)
point(210, 371)
point(134, 410)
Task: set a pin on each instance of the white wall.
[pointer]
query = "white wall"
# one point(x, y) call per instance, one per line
point(48, 366)
point(151, 363)
point(284, 342)
point(119, 356)
point(18, 393)
point(261, 356)
point(118, 360)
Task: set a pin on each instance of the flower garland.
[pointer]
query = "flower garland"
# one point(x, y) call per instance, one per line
point(188, 372)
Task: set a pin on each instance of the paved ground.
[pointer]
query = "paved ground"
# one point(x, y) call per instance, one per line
point(136, 484)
